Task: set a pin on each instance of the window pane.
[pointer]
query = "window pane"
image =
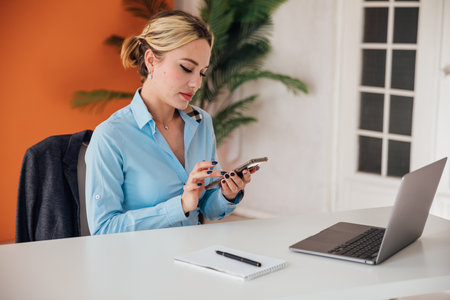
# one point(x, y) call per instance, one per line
point(375, 25)
point(398, 158)
point(371, 112)
point(400, 120)
point(373, 69)
point(403, 68)
point(405, 25)
point(369, 155)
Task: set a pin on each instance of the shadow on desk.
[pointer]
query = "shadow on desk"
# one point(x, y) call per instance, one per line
point(434, 296)
point(230, 218)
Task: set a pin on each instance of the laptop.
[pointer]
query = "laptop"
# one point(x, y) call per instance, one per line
point(373, 245)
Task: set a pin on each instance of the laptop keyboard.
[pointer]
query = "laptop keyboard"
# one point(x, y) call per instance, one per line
point(365, 245)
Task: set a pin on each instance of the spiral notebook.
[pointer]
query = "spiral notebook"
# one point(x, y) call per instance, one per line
point(208, 259)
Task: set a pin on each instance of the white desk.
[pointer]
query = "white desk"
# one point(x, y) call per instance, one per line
point(140, 265)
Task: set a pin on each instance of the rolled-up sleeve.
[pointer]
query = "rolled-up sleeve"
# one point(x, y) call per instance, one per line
point(105, 197)
point(213, 204)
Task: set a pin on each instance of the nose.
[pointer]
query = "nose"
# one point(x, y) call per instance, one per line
point(195, 82)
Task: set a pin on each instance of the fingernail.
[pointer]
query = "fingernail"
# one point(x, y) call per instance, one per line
point(199, 184)
point(223, 181)
point(232, 174)
point(214, 162)
point(227, 176)
point(223, 173)
point(208, 172)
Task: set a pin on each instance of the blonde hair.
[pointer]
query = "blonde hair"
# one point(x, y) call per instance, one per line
point(164, 32)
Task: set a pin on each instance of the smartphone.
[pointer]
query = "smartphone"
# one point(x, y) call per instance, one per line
point(249, 164)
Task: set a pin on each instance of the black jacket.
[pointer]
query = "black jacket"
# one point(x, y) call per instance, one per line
point(48, 202)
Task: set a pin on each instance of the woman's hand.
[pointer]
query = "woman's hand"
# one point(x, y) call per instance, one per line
point(231, 184)
point(195, 184)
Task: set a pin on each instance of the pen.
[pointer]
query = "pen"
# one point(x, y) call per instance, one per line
point(243, 259)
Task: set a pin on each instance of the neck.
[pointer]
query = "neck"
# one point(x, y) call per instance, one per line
point(160, 111)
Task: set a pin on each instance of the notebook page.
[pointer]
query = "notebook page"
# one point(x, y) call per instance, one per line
point(208, 258)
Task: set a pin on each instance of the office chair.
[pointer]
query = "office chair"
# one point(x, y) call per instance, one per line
point(81, 176)
point(51, 198)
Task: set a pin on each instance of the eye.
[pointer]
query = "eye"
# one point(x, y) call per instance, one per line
point(190, 71)
point(185, 69)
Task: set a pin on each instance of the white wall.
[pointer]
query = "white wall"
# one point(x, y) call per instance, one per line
point(293, 131)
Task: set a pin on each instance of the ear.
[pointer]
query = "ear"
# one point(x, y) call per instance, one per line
point(149, 59)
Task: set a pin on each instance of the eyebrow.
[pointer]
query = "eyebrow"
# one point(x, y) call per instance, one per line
point(193, 61)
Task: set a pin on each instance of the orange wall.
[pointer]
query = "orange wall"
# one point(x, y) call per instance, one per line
point(48, 50)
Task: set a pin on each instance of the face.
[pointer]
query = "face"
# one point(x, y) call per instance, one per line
point(178, 74)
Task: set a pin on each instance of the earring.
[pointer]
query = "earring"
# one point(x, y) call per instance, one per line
point(149, 75)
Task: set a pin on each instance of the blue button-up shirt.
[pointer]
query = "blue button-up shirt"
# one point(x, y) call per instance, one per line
point(133, 179)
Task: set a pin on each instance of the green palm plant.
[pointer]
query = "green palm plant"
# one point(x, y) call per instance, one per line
point(241, 30)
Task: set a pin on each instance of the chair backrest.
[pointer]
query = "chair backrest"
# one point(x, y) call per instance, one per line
point(48, 199)
point(81, 175)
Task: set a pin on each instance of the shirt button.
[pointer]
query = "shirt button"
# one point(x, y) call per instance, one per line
point(97, 197)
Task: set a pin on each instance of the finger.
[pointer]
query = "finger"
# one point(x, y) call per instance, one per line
point(225, 188)
point(238, 181)
point(192, 186)
point(246, 176)
point(204, 165)
point(233, 187)
point(214, 173)
point(200, 171)
point(202, 175)
point(253, 169)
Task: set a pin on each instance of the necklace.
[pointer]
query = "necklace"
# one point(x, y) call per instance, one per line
point(166, 126)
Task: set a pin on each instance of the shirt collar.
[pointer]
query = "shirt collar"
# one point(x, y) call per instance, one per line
point(193, 113)
point(143, 116)
point(140, 111)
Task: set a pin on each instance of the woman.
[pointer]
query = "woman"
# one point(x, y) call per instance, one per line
point(148, 164)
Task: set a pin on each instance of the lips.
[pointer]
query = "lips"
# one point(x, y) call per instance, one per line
point(187, 96)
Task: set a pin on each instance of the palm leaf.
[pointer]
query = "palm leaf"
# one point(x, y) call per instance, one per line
point(145, 8)
point(250, 39)
point(255, 10)
point(206, 94)
point(253, 33)
point(115, 41)
point(235, 108)
point(223, 129)
point(231, 117)
point(294, 85)
point(97, 98)
point(219, 18)
point(205, 10)
point(247, 46)
point(247, 57)
point(142, 9)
